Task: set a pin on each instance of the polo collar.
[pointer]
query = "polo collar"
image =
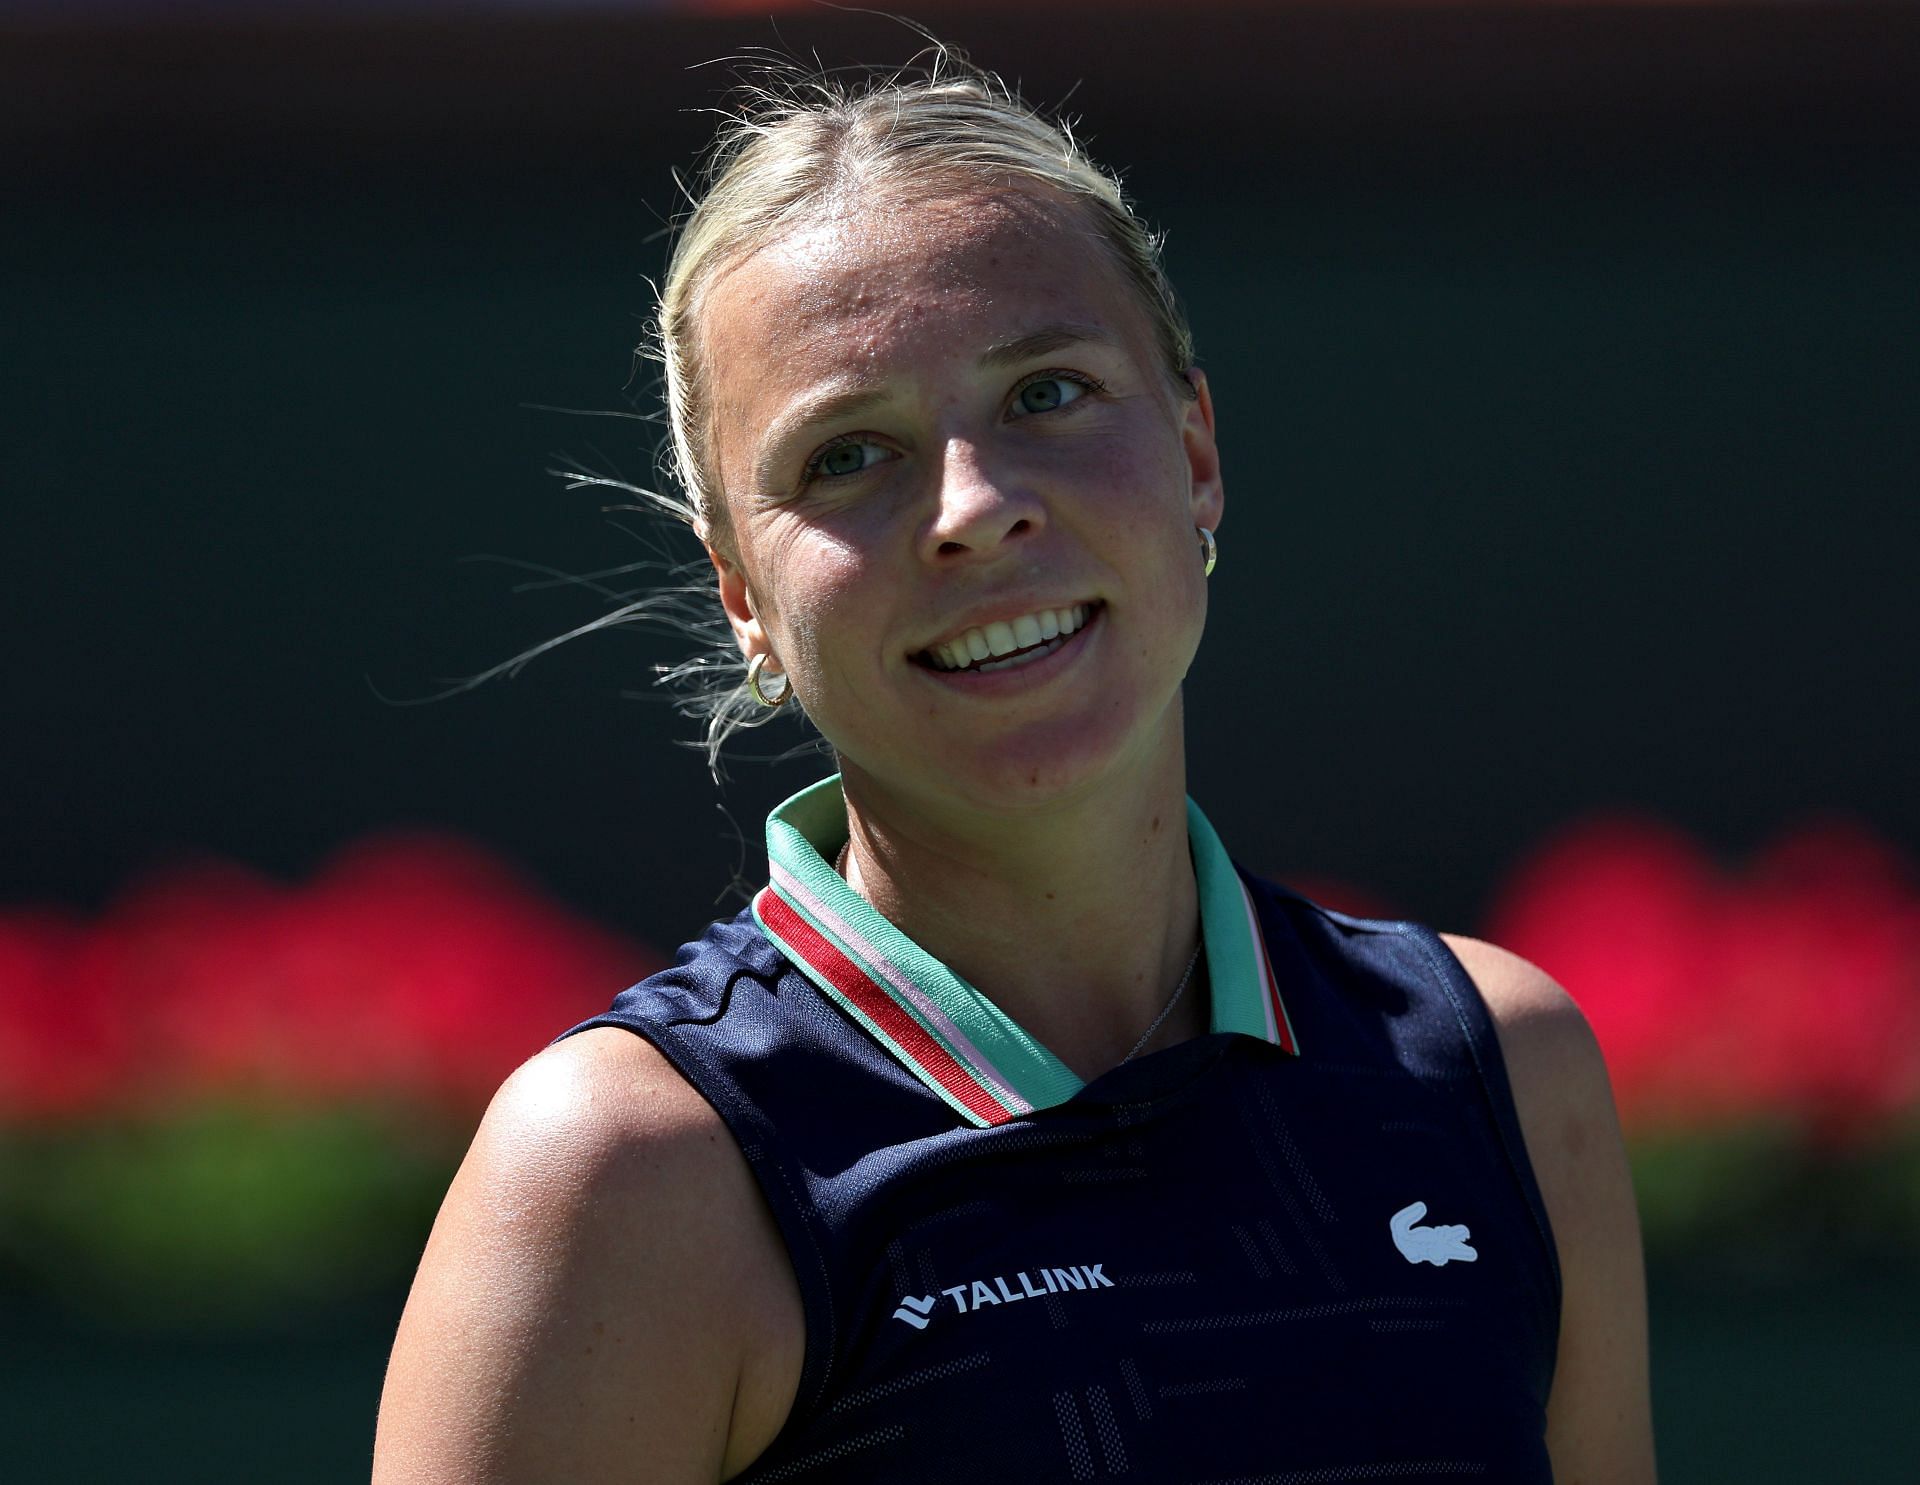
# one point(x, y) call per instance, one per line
point(941, 1029)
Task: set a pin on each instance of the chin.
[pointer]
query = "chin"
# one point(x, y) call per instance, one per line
point(1041, 766)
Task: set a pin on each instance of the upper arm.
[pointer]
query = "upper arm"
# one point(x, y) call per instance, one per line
point(584, 1303)
point(1599, 1419)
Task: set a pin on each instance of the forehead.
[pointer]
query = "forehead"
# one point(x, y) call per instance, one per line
point(881, 285)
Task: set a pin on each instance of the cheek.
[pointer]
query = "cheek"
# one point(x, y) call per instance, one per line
point(817, 585)
point(1136, 490)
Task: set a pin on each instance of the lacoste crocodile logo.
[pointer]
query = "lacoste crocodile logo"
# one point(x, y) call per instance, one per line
point(1438, 1245)
point(917, 1309)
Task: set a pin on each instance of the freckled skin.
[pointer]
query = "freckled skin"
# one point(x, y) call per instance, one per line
point(848, 580)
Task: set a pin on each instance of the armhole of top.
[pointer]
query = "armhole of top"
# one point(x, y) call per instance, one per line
point(780, 1189)
point(1482, 1037)
point(1482, 1040)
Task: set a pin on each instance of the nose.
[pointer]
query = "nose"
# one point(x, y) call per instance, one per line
point(978, 509)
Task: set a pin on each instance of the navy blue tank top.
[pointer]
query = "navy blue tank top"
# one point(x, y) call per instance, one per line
point(1306, 1247)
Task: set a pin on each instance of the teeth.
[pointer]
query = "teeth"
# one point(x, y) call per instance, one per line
point(1004, 637)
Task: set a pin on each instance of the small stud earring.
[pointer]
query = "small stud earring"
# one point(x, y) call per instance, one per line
point(1209, 546)
point(772, 703)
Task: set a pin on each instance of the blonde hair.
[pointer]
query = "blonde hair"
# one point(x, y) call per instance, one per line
point(796, 139)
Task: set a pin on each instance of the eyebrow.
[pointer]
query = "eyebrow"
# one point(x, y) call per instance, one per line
point(1043, 342)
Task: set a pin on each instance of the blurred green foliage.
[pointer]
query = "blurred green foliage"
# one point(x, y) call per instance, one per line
point(1761, 1200)
point(221, 1214)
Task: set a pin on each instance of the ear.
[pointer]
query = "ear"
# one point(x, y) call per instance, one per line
point(736, 599)
point(1203, 454)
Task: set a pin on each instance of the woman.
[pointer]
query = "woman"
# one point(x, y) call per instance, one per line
point(1012, 1129)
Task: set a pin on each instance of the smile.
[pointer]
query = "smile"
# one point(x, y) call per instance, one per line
point(1003, 645)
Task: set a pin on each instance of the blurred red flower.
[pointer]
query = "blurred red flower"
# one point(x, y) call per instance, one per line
point(64, 1047)
point(413, 968)
point(420, 969)
point(1791, 989)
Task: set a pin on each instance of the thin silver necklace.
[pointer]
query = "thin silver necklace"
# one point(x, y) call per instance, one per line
point(1178, 991)
point(1193, 962)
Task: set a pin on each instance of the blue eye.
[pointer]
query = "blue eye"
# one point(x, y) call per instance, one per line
point(838, 460)
point(1045, 393)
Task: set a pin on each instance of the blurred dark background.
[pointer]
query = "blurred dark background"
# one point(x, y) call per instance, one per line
point(1565, 358)
point(1566, 363)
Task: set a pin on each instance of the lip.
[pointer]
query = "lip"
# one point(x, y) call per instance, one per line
point(1033, 672)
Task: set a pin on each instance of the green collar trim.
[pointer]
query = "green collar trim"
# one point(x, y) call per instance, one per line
point(943, 1030)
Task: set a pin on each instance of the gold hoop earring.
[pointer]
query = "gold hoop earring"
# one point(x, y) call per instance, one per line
point(754, 667)
point(1210, 547)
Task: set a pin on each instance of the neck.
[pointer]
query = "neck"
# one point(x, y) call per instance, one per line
point(1077, 920)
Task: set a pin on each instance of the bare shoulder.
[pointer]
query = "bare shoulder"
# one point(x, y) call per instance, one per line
point(606, 1098)
point(1599, 1421)
point(1553, 1060)
point(1554, 1065)
point(1519, 994)
point(597, 1291)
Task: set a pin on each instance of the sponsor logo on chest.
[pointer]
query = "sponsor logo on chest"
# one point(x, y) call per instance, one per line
point(917, 1310)
point(1438, 1244)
